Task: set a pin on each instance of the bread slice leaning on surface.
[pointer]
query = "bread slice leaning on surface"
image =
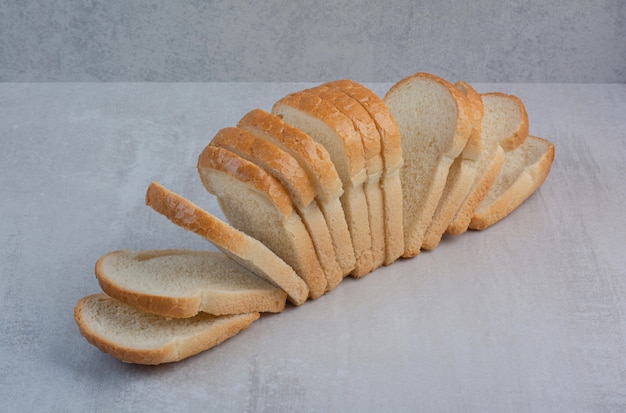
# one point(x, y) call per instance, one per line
point(504, 127)
point(525, 169)
point(434, 120)
point(256, 203)
point(322, 121)
point(314, 159)
point(133, 336)
point(391, 151)
point(286, 169)
point(461, 175)
point(242, 248)
point(182, 283)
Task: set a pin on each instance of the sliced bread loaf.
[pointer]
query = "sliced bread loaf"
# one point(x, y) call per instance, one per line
point(525, 169)
point(314, 159)
point(182, 283)
point(322, 121)
point(391, 151)
point(133, 336)
point(434, 120)
point(284, 167)
point(461, 175)
point(256, 203)
point(245, 250)
point(504, 127)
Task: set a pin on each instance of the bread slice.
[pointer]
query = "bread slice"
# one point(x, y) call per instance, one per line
point(391, 151)
point(364, 125)
point(434, 120)
point(284, 167)
point(133, 336)
point(182, 283)
point(316, 161)
point(245, 250)
point(504, 127)
point(525, 169)
point(256, 203)
point(322, 121)
point(461, 175)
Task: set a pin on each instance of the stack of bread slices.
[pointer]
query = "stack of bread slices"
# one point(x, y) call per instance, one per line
point(334, 181)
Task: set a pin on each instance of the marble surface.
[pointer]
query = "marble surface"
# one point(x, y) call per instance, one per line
point(529, 315)
point(283, 40)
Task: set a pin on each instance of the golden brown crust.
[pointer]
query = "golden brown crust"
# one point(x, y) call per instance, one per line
point(391, 148)
point(218, 329)
point(318, 108)
point(180, 306)
point(314, 155)
point(474, 141)
point(246, 250)
point(362, 122)
point(271, 158)
point(229, 163)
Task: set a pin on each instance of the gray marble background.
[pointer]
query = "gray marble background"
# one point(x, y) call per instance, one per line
point(285, 40)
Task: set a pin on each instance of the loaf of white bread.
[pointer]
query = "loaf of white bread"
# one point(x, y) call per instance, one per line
point(334, 181)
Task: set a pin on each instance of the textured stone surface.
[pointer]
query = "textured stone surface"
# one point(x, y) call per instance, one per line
point(527, 316)
point(283, 40)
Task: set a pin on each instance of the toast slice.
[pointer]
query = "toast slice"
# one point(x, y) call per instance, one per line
point(245, 250)
point(391, 151)
point(504, 127)
point(434, 120)
point(315, 160)
point(284, 167)
point(133, 336)
point(182, 283)
point(256, 203)
point(525, 169)
point(461, 175)
point(320, 120)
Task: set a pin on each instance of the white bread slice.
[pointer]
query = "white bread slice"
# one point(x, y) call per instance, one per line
point(133, 336)
point(370, 138)
point(284, 167)
point(245, 250)
point(391, 151)
point(326, 125)
point(256, 203)
point(461, 175)
point(315, 159)
point(182, 283)
point(434, 120)
point(525, 169)
point(504, 127)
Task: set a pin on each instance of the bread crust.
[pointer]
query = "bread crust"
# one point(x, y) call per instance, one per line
point(227, 162)
point(208, 300)
point(218, 329)
point(244, 249)
point(314, 156)
point(516, 138)
point(318, 108)
point(271, 159)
